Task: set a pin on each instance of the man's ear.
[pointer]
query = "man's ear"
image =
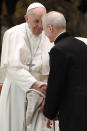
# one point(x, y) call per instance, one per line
point(50, 28)
point(26, 18)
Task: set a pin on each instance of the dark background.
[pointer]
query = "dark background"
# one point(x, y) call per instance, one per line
point(75, 11)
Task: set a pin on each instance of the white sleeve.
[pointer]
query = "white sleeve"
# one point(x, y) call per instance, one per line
point(21, 77)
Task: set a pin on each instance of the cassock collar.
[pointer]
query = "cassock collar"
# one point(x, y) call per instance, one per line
point(62, 35)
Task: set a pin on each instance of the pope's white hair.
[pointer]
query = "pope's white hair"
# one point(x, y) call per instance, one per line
point(54, 18)
point(33, 6)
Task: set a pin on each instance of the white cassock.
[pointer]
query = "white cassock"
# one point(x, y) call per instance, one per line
point(19, 45)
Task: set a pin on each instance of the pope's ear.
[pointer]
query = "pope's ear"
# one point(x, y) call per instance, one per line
point(26, 18)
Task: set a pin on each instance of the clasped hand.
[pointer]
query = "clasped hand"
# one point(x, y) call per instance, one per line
point(40, 86)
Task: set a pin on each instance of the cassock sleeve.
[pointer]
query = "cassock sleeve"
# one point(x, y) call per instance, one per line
point(56, 82)
point(13, 60)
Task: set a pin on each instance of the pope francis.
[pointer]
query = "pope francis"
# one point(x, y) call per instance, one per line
point(26, 60)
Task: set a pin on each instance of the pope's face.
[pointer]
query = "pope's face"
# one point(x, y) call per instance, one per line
point(35, 20)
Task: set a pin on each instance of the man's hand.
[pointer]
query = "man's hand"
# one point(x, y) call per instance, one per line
point(40, 86)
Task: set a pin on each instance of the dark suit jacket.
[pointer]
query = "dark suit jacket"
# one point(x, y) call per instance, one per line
point(67, 84)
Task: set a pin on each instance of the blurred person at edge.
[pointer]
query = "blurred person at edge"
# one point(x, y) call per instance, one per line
point(66, 96)
point(25, 56)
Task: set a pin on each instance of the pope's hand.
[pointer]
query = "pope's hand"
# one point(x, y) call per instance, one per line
point(40, 86)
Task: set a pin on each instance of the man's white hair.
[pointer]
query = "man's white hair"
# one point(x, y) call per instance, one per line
point(54, 18)
point(34, 5)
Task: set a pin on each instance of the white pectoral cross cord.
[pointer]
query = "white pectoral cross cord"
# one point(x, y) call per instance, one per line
point(32, 58)
point(33, 54)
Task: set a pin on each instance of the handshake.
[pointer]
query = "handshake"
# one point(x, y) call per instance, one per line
point(41, 87)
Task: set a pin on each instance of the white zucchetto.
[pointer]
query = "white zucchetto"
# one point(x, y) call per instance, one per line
point(35, 5)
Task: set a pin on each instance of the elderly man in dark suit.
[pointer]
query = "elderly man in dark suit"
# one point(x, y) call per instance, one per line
point(67, 83)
